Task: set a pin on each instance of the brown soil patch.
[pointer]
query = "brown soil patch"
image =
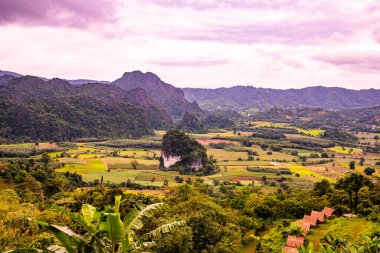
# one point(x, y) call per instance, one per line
point(207, 142)
point(236, 179)
point(247, 178)
point(47, 145)
point(329, 171)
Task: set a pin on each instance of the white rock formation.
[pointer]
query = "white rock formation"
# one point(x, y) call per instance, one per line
point(170, 160)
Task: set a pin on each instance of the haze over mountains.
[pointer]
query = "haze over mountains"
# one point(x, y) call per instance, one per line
point(36, 108)
point(238, 98)
point(246, 98)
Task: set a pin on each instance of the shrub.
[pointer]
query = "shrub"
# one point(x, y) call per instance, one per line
point(369, 171)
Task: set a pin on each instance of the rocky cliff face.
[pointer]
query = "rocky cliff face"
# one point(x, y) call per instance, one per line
point(182, 153)
point(170, 160)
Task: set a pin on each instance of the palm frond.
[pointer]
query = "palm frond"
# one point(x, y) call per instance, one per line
point(166, 228)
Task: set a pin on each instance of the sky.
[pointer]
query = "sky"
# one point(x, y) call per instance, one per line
point(206, 43)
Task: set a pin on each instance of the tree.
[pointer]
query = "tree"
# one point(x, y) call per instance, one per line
point(325, 155)
point(106, 232)
point(369, 171)
point(322, 188)
point(134, 164)
point(361, 162)
point(352, 165)
point(45, 159)
point(352, 184)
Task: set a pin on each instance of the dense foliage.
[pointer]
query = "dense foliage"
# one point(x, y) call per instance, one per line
point(203, 218)
point(36, 180)
point(34, 109)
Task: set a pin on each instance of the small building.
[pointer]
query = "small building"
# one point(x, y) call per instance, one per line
point(287, 249)
point(304, 225)
point(328, 212)
point(312, 220)
point(295, 241)
point(319, 215)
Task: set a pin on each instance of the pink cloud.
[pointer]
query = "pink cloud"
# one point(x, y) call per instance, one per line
point(218, 4)
point(362, 62)
point(190, 63)
point(297, 32)
point(69, 13)
point(376, 34)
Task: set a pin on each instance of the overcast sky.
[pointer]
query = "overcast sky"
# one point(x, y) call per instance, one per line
point(206, 43)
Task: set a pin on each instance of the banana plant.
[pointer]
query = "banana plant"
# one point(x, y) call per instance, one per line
point(106, 232)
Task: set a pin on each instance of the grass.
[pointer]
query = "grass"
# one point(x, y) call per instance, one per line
point(136, 153)
point(221, 154)
point(138, 176)
point(346, 228)
point(86, 167)
point(125, 163)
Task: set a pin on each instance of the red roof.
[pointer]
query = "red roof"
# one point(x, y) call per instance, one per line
point(319, 215)
point(312, 220)
point(304, 225)
point(328, 211)
point(295, 241)
point(287, 249)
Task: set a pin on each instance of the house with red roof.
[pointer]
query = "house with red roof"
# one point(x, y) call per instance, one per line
point(312, 220)
point(304, 225)
point(287, 249)
point(328, 212)
point(295, 241)
point(319, 215)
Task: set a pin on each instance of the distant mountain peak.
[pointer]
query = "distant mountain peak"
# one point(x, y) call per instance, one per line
point(138, 75)
point(172, 99)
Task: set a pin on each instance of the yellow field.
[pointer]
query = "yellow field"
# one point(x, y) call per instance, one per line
point(346, 150)
point(312, 132)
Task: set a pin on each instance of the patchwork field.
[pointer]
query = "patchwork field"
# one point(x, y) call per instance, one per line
point(138, 160)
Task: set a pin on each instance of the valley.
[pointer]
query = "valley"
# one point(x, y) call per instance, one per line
point(66, 147)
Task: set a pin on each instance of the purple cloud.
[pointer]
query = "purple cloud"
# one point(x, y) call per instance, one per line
point(69, 13)
point(362, 62)
point(190, 63)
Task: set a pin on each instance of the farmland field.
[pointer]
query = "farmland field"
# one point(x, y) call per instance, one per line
point(312, 132)
point(137, 160)
point(95, 161)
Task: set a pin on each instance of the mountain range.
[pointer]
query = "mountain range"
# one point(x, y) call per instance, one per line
point(250, 99)
point(36, 108)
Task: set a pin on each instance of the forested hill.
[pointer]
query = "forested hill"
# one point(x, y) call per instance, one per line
point(172, 99)
point(34, 109)
point(247, 98)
